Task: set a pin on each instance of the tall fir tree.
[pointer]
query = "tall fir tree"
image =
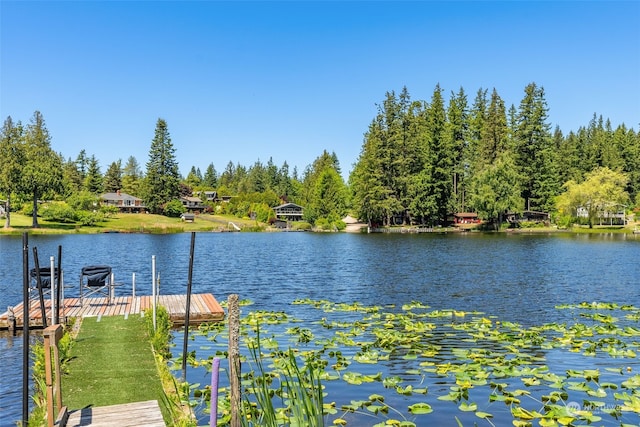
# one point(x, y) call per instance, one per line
point(534, 148)
point(440, 158)
point(42, 172)
point(93, 181)
point(210, 179)
point(72, 180)
point(13, 159)
point(131, 177)
point(113, 177)
point(457, 135)
point(162, 180)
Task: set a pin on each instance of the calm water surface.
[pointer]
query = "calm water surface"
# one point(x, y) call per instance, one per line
point(515, 277)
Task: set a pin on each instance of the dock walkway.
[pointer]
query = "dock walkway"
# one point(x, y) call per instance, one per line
point(204, 308)
point(137, 414)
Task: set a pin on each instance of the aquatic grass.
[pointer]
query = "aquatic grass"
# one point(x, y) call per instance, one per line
point(299, 390)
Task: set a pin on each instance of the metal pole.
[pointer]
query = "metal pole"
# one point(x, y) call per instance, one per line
point(59, 285)
point(215, 371)
point(153, 289)
point(52, 279)
point(133, 286)
point(25, 329)
point(188, 309)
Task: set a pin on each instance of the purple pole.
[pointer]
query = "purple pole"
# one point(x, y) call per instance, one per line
point(215, 368)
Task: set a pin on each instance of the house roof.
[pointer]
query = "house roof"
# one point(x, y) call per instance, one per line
point(118, 196)
point(191, 199)
point(466, 215)
point(288, 205)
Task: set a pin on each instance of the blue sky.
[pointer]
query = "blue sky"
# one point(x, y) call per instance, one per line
point(248, 81)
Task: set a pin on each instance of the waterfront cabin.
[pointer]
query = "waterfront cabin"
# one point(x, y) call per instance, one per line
point(466, 218)
point(123, 201)
point(192, 204)
point(289, 212)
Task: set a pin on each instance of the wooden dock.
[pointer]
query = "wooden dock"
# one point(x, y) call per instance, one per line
point(204, 308)
point(137, 414)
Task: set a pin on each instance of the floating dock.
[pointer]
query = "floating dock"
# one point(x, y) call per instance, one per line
point(203, 308)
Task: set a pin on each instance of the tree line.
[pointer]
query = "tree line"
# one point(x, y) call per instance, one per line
point(422, 161)
point(419, 163)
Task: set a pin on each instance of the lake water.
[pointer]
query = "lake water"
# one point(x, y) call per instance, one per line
point(516, 277)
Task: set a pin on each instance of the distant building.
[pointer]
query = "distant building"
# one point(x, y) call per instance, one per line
point(466, 218)
point(123, 201)
point(289, 212)
point(193, 204)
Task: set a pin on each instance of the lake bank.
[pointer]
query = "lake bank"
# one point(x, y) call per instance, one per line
point(158, 224)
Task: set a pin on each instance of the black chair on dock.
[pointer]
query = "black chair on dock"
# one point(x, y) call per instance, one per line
point(96, 280)
point(45, 279)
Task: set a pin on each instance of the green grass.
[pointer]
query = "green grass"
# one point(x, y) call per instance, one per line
point(128, 223)
point(111, 363)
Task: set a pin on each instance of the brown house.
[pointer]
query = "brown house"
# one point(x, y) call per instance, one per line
point(123, 201)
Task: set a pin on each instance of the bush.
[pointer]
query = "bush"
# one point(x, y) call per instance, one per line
point(83, 201)
point(174, 209)
point(300, 225)
point(88, 218)
point(58, 212)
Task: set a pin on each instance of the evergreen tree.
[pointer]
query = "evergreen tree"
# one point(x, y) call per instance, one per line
point(13, 159)
point(113, 177)
point(330, 197)
point(210, 179)
point(72, 180)
point(131, 177)
point(93, 180)
point(194, 178)
point(285, 187)
point(82, 163)
point(372, 197)
point(162, 179)
point(534, 148)
point(228, 176)
point(457, 135)
point(440, 159)
point(494, 133)
point(42, 172)
point(257, 179)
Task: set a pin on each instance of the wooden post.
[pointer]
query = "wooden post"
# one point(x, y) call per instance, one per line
point(52, 335)
point(234, 359)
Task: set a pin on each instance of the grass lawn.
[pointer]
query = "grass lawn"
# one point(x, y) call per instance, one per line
point(129, 223)
point(111, 363)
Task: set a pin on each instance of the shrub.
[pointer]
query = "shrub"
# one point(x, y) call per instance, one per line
point(301, 225)
point(174, 209)
point(83, 201)
point(58, 212)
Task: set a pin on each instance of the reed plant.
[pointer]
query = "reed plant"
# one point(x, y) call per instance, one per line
point(298, 389)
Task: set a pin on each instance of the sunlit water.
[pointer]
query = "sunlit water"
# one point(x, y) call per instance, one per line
point(518, 278)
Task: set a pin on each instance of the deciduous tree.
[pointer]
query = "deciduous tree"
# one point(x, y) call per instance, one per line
point(600, 192)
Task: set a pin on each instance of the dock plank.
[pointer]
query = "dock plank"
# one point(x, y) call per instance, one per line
point(143, 414)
